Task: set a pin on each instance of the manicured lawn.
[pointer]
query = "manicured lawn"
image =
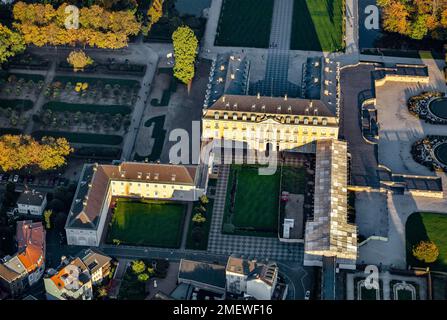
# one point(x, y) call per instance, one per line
point(427, 226)
point(293, 180)
point(245, 23)
point(159, 134)
point(147, 223)
point(256, 201)
point(203, 244)
point(16, 104)
point(75, 137)
point(75, 107)
point(317, 25)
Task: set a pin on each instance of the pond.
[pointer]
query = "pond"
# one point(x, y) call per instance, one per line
point(439, 107)
point(192, 7)
point(441, 153)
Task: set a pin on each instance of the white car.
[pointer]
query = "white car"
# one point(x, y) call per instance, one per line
point(307, 295)
point(16, 178)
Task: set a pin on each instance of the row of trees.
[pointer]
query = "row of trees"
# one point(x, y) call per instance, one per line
point(415, 18)
point(41, 24)
point(21, 151)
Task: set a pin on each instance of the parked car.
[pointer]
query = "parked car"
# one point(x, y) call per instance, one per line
point(307, 295)
point(11, 177)
point(5, 177)
point(16, 178)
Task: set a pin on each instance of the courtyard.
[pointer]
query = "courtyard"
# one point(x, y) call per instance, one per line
point(422, 226)
point(317, 25)
point(147, 223)
point(252, 202)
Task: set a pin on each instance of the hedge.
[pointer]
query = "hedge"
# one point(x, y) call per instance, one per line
point(74, 137)
point(75, 107)
point(16, 104)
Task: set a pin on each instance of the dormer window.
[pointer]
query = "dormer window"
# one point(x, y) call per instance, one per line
point(139, 175)
point(253, 117)
point(123, 174)
point(315, 121)
point(234, 116)
point(287, 119)
point(216, 115)
point(155, 176)
point(324, 121)
point(306, 121)
point(297, 120)
point(226, 116)
point(244, 117)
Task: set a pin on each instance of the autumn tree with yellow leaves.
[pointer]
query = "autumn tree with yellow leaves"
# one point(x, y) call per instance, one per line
point(185, 52)
point(79, 60)
point(154, 14)
point(21, 151)
point(42, 24)
point(11, 43)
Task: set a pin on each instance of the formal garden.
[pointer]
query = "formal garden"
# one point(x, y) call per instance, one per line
point(318, 25)
point(200, 224)
point(245, 23)
point(429, 106)
point(248, 210)
point(404, 290)
point(431, 152)
point(135, 280)
point(146, 223)
point(18, 92)
point(428, 229)
point(361, 292)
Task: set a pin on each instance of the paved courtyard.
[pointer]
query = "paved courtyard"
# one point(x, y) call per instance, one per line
point(259, 247)
point(398, 128)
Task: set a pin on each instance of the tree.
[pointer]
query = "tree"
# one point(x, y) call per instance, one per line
point(154, 14)
point(416, 19)
point(102, 292)
point(143, 277)
point(426, 251)
point(11, 43)
point(138, 266)
point(198, 218)
point(22, 151)
point(79, 60)
point(185, 52)
point(47, 216)
point(204, 199)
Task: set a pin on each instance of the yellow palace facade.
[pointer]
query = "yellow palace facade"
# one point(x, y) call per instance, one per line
point(256, 122)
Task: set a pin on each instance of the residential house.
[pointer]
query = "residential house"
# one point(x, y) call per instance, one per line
point(99, 265)
point(32, 202)
point(27, 266)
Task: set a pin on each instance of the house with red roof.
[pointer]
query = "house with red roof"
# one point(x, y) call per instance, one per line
point(27, 266)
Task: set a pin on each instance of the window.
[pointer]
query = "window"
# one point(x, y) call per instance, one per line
point(306, 121)
point(216, 115)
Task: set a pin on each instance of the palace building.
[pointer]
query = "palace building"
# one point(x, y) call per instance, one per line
point(258, 121)
point(99, 183)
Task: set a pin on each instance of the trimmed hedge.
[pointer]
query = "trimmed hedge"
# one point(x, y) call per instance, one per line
point(75, 107)
point(74, 137)
point(95, 152)
point(90, 81)
point(13, 131)
point(16, 104)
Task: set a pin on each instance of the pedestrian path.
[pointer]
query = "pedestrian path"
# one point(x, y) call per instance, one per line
point(250, 247)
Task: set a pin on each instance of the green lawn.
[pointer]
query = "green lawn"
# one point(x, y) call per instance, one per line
point(16, 104)
point(94, 108)
point(293, 180)
point(202, 245)
point(256, 201)
point(427, 226)
point(76, 137)
point(147, 223)
point(317, 25)
point(245, 23)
